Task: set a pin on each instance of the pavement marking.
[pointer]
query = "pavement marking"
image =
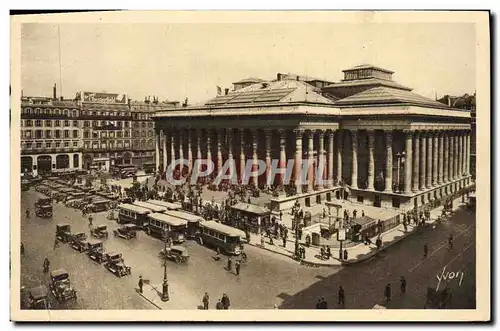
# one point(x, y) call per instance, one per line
point(434, 252)
point(462, 251)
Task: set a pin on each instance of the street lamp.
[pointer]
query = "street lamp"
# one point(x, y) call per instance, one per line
point(341, 233)
point(164, 294)
point(401, 161)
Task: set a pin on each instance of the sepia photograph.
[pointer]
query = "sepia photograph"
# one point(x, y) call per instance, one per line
point(272, 164)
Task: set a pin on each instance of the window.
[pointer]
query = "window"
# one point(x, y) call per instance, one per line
point(126, 135)
point(143, 124)
point(86, 124)
point(86, 135)
point(136, 124)
point(38, 123)
point(151, 124)
point(66, 133)
point(27, 134)
point(28, 145)
point(39, 145)
point(127, 124)
point(29, 123)
point(95, 123)
point(58, 123)
point(65, 112)
point(48, 134)
point(95, 134)
point(75, 143)
point(120, 124)
point(103, 123)
point(75, 133)
point(38, 134)
point(119, 134)
point(58, 134)
point(98, 113)
point(74, 114)
point(66, 144)
point(103, 134)
point(57, 111)
point(150, 133)
point(66, 123)
point(75, 123)
point(48, 123)
point(48, 144)
point(111, 134)
point(143, 134)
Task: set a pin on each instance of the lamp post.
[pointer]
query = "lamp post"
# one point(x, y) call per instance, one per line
point(164, 294)
point(401, 161)
point(341, 234)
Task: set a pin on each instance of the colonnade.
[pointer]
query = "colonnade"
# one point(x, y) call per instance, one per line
point(428, 158)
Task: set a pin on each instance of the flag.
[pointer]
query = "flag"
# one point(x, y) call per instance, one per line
point(219, 90)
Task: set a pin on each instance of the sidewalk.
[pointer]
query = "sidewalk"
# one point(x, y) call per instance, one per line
point(152, 294)
point(358, 253)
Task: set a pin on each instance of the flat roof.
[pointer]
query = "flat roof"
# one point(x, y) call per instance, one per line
point(152, 206)
point(167, 219)
point(222, 228)
point(133, 208)
point(168, 205)
point(183, 215)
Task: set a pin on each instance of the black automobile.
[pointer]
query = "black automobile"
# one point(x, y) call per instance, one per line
point(44, 211)
point(118, 267)
point(61, 285)
point(127, 231)
point(95, 251)
point(79, 242)
point(37, 297)
point(63, 232)
point(100, 231)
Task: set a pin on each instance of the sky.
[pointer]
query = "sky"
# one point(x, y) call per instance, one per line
point(175, 61)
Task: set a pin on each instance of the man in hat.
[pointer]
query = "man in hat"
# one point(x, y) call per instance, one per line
point(206, 301)
point(141, 283)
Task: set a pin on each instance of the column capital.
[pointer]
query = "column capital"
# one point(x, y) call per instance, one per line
point(299, 132)
point(321, 133)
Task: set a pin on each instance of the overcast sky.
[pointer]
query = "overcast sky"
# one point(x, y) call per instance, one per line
point(190, 60)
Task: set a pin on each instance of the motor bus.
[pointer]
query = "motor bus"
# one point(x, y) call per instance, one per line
point(123, 170)
point(97, 205)
point(154, 208)
point(227, 238)
point(168, 205)
point(128, 213)
point(158, 223)
point(149, 168)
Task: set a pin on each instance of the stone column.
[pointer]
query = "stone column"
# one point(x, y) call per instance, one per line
point(157, 151)
point(428, 182)
point(172, 146)
point(354, 173)
point(268, 134)
point(371, 159)
point(340, 147)
point(321, 158)
point(434, 159)
point(461, 153)
point(408, 163)
point(181, 145)
point(310, 161)
point(209, 146)
point(230, 153)
point(423, 152)
point(330, 159)
point(219, 150)
point(451, 160)
point(242, 154)
point(440, 158)
point(457, 155)
point(298, 160)
point(446, 153)
point(255, 178)
point(283, 161)
point(189, 152)
point(164, 148)
point(467, 159)
point(198, 146)
point(416, 164)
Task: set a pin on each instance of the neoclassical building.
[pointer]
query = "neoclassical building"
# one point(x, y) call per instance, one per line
point(381, 144)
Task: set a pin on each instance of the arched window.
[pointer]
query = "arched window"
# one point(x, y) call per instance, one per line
point(37, 111)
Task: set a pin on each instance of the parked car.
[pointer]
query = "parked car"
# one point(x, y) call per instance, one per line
point(126, 231)
point(63, 232)
point(116, 265)
point(37, 297)
point(79, 241)
point(44, 211)
point(100, 231)
point(175, 253)
point(113, 256)
point(61, 286)
point(95, 251)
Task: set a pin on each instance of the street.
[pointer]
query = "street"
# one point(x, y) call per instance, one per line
point(265, 280)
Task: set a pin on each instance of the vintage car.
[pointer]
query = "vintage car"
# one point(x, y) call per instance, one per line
point(113, 257)
point(44, 201)
point(37, 297)
point(61, 285)
point(25, 185)
point(100, 231)
point(95, 251)
point(126, 231)
point(79, 241)
point(118, 267)
point(44, 211)
point(175, 253)
point(63, 232)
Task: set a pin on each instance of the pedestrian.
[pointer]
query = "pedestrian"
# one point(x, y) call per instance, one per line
point(378, 243)
point(218, 305)
point(90, 221)
point(363, 213)
point(46, 265)
point(426, 250)
point(237, 267)
point(22, 249)
point(324, 303)
point(303, 253)
point(346, 256)
point(403, 284)
point(450, 241)
point(387, 293)
point(284, 242)
point(141, 283)
point(281, 216)
point(205, 300)
point(262, 240)
point(341, 298)
point(328, 251)
point(56, 243)
point(225, 301)
point(319, 304)
point(27, 213)
point(229, 262)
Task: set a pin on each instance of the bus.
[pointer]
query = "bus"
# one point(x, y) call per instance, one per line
point(123, 170)
point(225, 237)
point(168, 205)
point(174, 227)
point(128, 213)
point(154, 208)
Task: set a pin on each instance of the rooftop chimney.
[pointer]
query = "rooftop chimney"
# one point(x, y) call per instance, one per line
point(226, 91)
point(54, 92)
point(278, 77)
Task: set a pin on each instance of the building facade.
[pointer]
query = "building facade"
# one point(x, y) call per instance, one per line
point(51, 137)
point(381, 144)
